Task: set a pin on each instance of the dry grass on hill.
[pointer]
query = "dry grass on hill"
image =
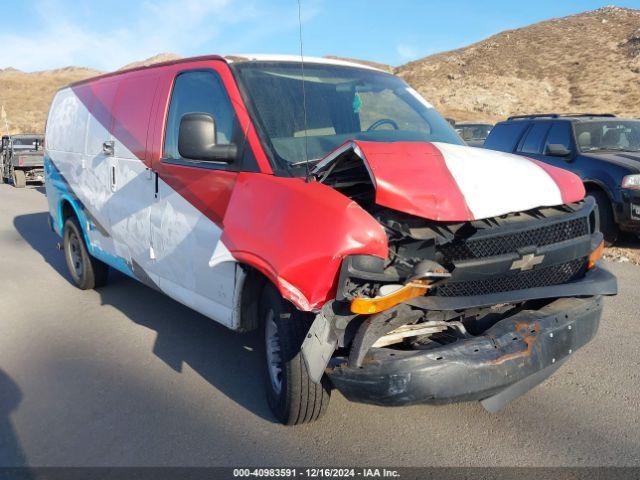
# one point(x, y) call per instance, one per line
point(588, 62)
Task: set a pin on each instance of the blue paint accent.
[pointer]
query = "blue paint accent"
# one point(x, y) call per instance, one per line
point(55, 188)
point(113, 261)
point(59, 192)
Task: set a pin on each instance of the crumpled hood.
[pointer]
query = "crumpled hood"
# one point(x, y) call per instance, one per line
point(446, 182)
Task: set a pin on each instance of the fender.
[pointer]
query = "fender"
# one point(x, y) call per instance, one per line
point(297, 233)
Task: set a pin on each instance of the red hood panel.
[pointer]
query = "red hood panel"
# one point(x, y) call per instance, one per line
point(456, 183)
point(413, 178)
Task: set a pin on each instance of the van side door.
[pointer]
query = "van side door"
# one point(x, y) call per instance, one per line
point(190, 263)
point(97, 167)
point(131, 181)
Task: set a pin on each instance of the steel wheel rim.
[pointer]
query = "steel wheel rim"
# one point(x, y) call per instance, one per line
point(75, 254)
point(272, 347)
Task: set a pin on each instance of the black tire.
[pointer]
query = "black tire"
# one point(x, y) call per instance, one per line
point(19, 179)
point(608, 225)
point(86, 271)
point(297, 400)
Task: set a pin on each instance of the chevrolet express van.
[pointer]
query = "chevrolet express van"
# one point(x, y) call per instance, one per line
point(334, 209)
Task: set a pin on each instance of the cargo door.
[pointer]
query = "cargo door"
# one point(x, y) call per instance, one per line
point(131, 181)
point(96, 166)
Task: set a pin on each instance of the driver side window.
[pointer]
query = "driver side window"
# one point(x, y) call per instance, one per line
point(199, 92)
point(559, 134)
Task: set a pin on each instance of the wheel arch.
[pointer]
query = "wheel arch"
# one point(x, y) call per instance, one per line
point(250, 282)
point(67, 207)
point(591, 185)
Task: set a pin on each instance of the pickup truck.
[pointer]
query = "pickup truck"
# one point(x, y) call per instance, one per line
point(21, 159)
point(329, 206)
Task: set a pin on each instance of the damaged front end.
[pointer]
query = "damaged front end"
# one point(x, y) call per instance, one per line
point(494, 366)
point(459, 310)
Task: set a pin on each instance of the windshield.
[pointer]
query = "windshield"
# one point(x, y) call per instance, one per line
point(608, 135)
point(473, 132)
point(343, 103)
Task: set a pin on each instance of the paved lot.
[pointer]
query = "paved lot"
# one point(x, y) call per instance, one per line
point(126, 376)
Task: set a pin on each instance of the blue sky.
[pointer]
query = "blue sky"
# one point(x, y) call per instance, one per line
point(43, 34)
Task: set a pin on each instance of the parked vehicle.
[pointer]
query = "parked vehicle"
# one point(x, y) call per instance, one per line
point(378, 254)
point(21, 159)
point(602, 149)
point(474, 134)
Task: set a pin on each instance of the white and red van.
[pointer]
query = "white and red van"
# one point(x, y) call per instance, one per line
point(332, 207)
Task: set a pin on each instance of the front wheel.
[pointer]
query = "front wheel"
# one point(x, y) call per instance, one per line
point(87, 272)
point(293, 397)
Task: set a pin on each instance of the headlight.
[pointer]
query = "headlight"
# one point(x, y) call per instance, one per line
point(631, 181)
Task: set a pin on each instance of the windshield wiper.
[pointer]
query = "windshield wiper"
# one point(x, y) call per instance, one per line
point(302, 162)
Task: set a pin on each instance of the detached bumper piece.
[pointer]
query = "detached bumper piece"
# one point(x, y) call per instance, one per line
point(508, 359)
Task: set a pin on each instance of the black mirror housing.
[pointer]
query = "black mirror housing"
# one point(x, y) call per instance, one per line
point(557, 150)
point(197, 140)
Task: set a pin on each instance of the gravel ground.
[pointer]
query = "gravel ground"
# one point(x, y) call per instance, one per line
point(626, 250)
point(125, 376)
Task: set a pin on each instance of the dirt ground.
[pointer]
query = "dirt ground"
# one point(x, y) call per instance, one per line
point(627, 249)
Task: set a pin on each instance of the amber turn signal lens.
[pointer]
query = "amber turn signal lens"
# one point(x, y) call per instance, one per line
point(595, 256)
point(367, 306)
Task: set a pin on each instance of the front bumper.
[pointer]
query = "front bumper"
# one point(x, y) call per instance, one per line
point(514, 355)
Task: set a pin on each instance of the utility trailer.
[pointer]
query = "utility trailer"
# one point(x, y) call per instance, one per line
point(22, 159)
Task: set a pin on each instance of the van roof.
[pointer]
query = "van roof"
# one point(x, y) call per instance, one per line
point(239, 58)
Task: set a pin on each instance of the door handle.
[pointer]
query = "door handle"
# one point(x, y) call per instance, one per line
point(113, 178)
point(108, 148)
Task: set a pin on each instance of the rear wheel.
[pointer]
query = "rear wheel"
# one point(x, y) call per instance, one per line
point(19, 179)
point(86, 272)
point(608, 225)
point(293, 398)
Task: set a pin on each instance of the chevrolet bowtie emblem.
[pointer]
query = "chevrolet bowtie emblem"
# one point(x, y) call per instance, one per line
point(527, 262)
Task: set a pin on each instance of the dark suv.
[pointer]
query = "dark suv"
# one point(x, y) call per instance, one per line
point(602, 149)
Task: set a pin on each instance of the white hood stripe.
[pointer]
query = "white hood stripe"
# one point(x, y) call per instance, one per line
point(496, 183)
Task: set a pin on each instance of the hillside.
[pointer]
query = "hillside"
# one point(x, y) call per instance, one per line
point(162, 57)
point(26, 96)
point(585, 62)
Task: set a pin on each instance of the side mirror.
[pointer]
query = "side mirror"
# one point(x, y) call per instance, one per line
point(557, 150)
point(197, 140)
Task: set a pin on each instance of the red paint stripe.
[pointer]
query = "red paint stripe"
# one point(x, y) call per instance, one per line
point(570, 185)
point(128, 113)
point(413, 177)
